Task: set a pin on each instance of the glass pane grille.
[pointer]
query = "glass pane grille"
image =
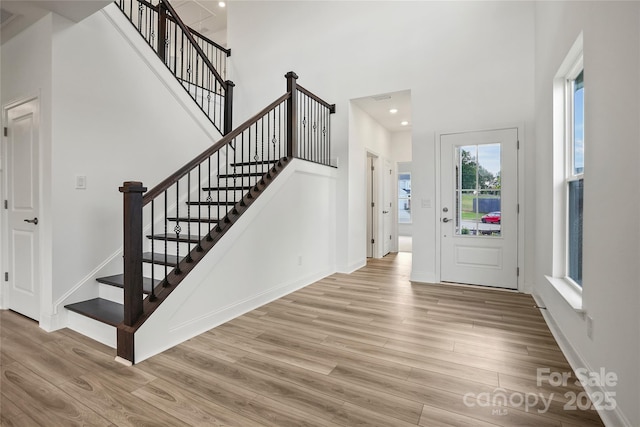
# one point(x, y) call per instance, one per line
point(478, 197)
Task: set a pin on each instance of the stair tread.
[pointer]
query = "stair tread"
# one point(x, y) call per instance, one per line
point(260, 162)
point(223, 189)
point(117, 280)
point(100, 309)
point(193, 219)
point(157, 258)
point(173, 237)
point(241, 175)
point(213, 203)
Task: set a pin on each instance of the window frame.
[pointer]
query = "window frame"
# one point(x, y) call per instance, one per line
point(569, 144)
point(562, 172)
point(398, 198)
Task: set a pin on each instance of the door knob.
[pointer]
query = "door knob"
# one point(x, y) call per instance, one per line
point(33, 221)
point(446, 219)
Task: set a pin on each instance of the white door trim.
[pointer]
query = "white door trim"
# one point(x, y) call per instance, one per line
point(520, 198)
point(4, 219)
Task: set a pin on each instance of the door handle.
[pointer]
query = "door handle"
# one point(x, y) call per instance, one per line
point(33, 221)
point(384, 212)
point(446, 219)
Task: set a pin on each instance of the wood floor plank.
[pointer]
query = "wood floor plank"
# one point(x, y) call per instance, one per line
point(114, 403)
point(189, 407)
point(375, 400)
point(301, 398)
point(44, 402)
point(437, 417)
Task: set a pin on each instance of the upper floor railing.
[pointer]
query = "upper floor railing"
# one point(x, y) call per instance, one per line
point(199, 64)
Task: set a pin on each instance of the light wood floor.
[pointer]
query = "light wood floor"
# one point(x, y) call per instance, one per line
point(368, 348)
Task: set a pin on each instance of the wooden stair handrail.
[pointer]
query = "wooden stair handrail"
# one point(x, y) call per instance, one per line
point(168, 182)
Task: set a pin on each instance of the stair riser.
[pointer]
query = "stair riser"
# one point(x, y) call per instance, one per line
point(113, 293)
point(185, 227)
point(101, 332)
point(183, 247)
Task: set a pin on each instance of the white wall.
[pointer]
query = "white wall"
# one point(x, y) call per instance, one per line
point(611, 293)
point(283, 242)
point(469, 65)
point(26, 73)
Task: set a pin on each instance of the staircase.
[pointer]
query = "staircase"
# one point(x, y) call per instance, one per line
point(169, 229)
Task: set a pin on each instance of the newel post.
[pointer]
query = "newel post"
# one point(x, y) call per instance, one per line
point(292, 114)
point(228, 107)
point(132, 212)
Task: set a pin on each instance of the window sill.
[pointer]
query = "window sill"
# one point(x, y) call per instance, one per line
point(570, 292)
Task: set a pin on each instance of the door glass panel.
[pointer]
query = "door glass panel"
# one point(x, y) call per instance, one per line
point(478, 190)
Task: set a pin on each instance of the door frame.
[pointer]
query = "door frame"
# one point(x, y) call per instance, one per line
point(4, 219)
point(519, 199)
point(372, 187)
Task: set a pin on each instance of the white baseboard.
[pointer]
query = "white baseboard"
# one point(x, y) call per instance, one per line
point(53, 322)
point(610, 418)
point(353, 267)
point(423, 276)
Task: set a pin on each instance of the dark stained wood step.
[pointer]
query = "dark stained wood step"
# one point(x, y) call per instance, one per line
point(224, 189)
point(118, 281)
point(261, 162)
point(102, 310)
point(215, 203)
point(194, 219)
point(174, 238)
point(241, 175)
point(160, 259)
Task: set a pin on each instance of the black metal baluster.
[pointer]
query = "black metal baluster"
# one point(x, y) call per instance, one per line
point(189, 217)
point(199, 246)
point(152, 297)
point(177, 229)
point(175, 49)
point(218, 188)
point(166, 240)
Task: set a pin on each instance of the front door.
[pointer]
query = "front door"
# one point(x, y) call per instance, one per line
point(479, 208)
point(22, 200)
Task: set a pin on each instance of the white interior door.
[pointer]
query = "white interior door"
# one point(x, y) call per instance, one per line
point(387, 209)
point(479, 208)
point(23, 283)
point(371, 213)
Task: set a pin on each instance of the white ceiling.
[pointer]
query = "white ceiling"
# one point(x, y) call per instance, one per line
point(204, 16)
point(378, 106)
point(23, 13)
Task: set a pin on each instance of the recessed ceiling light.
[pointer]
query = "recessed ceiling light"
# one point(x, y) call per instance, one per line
point(393, 110)
point(404, 123)
point(222, 4)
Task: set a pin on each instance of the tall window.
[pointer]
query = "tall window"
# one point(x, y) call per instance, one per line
point(575, 172)
point(404, 197)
